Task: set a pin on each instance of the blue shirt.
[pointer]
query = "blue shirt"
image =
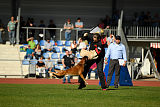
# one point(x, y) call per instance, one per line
point(29, 51)
point(116, 51)
point(79, 24)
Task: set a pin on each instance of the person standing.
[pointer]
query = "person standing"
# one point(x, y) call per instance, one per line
point(52, 32)
point(11, 30)
point(79, 26)
point(1, 31)
point(68, 26)
point(117, 53)
point(97, 44)
point(66, 61)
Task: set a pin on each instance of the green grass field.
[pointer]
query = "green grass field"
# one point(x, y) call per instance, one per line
point(51, 95)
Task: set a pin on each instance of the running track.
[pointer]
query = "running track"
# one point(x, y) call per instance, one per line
point(73, 81)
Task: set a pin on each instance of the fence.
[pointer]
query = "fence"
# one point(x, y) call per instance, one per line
point(59, 31)
point(142, 31)
point(27, 68)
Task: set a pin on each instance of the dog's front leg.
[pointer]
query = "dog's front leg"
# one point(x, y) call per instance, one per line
point(81, 75)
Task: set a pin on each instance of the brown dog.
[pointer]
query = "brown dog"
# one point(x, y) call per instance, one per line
point(76, 70)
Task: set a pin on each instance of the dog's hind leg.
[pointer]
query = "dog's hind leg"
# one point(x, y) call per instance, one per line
point(81, 75)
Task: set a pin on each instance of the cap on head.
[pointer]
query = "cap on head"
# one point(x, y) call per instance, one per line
point(118, 38)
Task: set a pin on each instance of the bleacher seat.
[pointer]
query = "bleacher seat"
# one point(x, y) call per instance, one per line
point(54, 56)
point(25, 62)
point(67, 43)
point(64, 48)
point(57, 67)
point(53, 42)
point(46, 55)
point(57, 49)
point(33, 61)
point(59, 43)
point(22, 49)
point(25, 44)
point(42, 42)
point(61, 55)
point(36, 41)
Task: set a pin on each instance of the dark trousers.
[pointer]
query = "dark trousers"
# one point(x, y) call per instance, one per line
point(99, 61)
point(113, 65)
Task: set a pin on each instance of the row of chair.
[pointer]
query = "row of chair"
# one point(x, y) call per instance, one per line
point(54, 56)
point(58, 50)
point(58, 43)
point(34, 62)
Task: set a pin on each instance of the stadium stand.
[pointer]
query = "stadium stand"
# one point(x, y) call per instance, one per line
point(60, 43)
point(54, 56)
point(36, 41)
point(42, 42)
point(57, 49)
point(67, 43)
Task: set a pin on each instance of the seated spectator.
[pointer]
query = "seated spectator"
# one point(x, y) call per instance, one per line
point(66, 61)
point(49, 66)
point(81, 44)
point(31, 43)
point(93, 68)
point(48, 46)
point(38, 52)
point(29, 53)
point(41, 67)
point(74, 47)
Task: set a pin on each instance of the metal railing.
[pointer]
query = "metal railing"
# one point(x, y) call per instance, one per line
point(112, 30)
point(31, 68)
point(142, 31)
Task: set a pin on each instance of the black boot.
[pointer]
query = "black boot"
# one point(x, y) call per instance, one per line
point(81, 86)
